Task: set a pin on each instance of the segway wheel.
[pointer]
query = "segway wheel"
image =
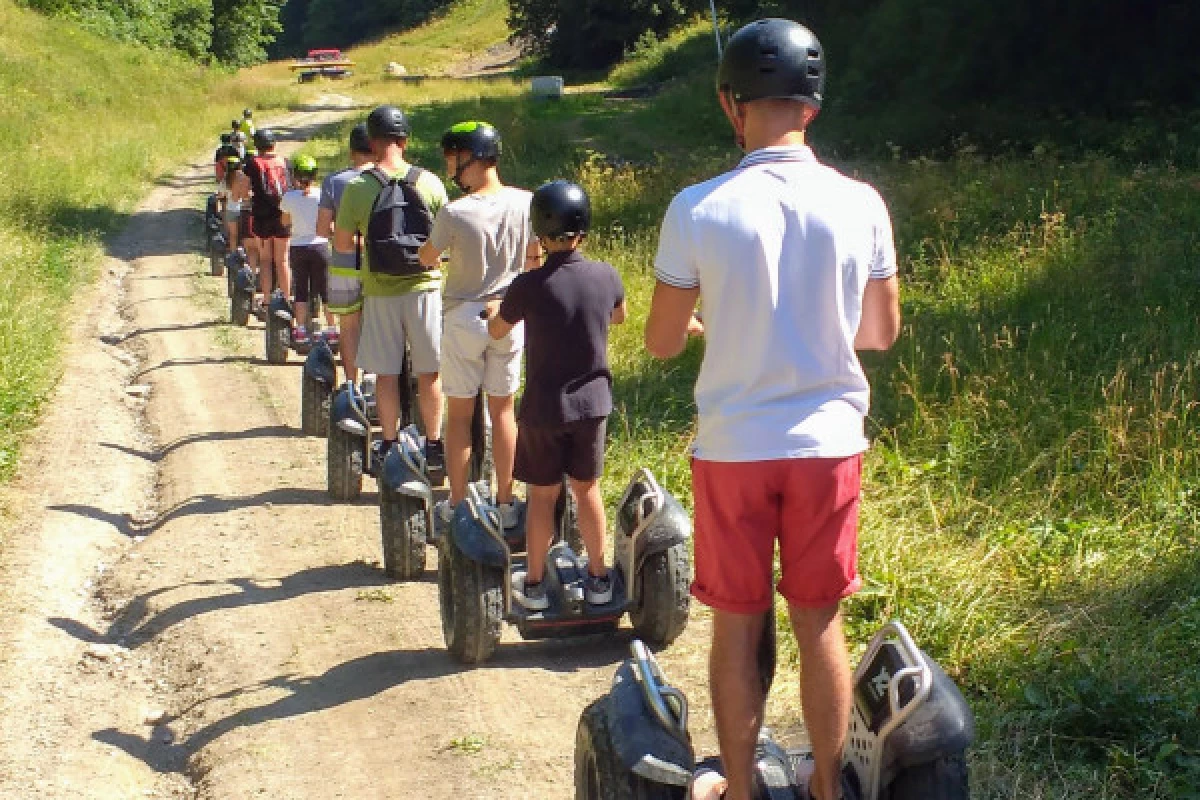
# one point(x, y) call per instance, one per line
point(482, 466)
point(239, 309)
point(402, 523)
point(345, 456)
point(471, 597)
point(566, 520)
point(662, 610)
point(599, 774)
point(278, 339)
point(943, 779)
point(216, 257)
point(315, 398)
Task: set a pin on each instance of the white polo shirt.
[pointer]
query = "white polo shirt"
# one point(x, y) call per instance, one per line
point(781, 249)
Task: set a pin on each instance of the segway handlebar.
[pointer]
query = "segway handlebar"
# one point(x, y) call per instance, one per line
point(668, 704)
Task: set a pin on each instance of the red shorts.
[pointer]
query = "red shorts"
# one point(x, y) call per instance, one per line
point(810, 505)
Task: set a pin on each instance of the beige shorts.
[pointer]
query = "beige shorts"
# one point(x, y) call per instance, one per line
point(473, 360)
point(389, 322)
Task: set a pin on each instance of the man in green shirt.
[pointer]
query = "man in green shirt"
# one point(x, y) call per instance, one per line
point(396, 309)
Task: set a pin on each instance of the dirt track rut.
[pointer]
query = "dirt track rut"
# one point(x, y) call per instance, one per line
point(179, 554)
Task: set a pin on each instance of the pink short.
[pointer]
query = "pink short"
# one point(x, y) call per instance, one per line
point(810, 505)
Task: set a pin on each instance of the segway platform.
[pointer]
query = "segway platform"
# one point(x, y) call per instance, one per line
point(909, 731)
point(651, 574)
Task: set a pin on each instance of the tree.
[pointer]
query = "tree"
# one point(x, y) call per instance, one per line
point(242, 29)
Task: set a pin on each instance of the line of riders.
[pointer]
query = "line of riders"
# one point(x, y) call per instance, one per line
point(793, 267)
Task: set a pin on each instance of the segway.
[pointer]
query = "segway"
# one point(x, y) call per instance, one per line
point(317, 380)
point(241, 297)
point(910, 728)
point(406, 518)
point(218, 245)
point(277, 328)
point(651, 574)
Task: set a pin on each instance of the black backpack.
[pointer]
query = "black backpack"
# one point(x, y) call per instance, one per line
point(399, 224)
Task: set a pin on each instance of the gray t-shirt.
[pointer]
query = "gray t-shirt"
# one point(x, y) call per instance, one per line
point(486, 236)
point(332, 189)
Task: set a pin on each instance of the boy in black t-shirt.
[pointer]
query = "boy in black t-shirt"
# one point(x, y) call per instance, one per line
point(567, 306)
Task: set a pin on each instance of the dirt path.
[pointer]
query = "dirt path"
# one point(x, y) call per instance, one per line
point(186, 614)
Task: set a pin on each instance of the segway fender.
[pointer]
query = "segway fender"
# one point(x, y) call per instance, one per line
point(643, 746)
point(345, 413)
point(665, 528)
point(245, 280)
point(474, 542)
point(319, 364)
point(403, 475)
point(941, 726)
point(279, 306)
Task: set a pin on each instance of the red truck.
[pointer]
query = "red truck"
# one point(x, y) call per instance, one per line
point(327, 63)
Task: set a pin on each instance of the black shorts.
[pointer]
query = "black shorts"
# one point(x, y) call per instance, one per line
point(244, 227)
point(310, 272)
point(546, 452)
point(268, 227)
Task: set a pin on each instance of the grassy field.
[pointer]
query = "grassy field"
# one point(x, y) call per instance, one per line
point(86, 124)
point(1032, 490)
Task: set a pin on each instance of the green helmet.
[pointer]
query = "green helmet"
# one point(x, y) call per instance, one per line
point(304, 167)
point(480, 139)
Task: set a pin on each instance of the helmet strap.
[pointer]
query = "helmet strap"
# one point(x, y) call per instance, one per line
point(459, 168)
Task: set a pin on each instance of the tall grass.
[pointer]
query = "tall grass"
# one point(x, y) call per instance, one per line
point(1031, 494)
point(85, 124)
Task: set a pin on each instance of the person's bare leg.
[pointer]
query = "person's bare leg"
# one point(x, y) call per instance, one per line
point(279, 252)
point(302, 315)
point(502, 411)
point(429, 400)
point(387, 401)
point(737, 697)
point(590, 506)
point(266, 267)
point(459, 411)
point(539, 529)
point(231, 230)
point(351, 329)
point(826, 692)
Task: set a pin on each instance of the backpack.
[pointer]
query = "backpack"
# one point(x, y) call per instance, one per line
point(269, 182)
point(399, 224)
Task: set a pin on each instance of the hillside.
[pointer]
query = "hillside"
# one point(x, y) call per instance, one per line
point(87, 123)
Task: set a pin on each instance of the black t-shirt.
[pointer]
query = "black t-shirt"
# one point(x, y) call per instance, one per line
point(567, 306)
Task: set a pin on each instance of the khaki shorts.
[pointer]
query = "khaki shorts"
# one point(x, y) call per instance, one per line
point(473, 360)
point(389, 322)
point(345, 292)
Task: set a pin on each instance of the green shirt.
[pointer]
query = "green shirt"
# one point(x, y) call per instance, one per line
point(354, 213)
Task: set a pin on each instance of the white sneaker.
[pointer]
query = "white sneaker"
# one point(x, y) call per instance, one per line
point(510, 513)
point(531, 596)
point(443, 513)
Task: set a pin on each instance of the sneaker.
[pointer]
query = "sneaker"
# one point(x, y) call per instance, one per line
point(510, 513)
point(707, 782)
point(598, 590)
point(435, 460)
point(300, 336)
point(530, 595)
point(331, 337)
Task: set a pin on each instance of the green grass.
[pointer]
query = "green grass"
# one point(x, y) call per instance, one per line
point(85, 124)
point(1033, 488)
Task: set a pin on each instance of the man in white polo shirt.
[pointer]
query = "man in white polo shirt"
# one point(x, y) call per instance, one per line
point(795, 270)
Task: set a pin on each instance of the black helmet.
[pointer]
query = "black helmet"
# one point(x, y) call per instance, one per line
point(773, 58)
point(360, 142)
point(387, 122)
point(226, 138)
point(481, 139)
point(264, 139)
point(247, 113)
point(560, 209)
point(236, 125)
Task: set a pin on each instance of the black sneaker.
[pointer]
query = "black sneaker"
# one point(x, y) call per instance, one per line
point(435, 460)
point(598, 590)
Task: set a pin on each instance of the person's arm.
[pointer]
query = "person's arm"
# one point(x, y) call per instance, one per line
point(619, 314)
point(347, 222)
point(880, 324)
point(670, 320)
point(504, 314)
point(440, 238)
point(325, 222)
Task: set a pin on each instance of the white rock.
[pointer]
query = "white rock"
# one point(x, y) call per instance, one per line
point(155, 716)
point(138, 389)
